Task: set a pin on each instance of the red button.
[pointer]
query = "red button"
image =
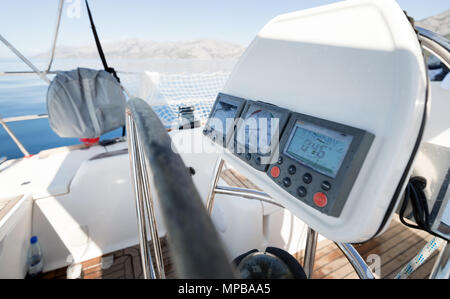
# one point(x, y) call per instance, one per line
point(275, 171)
point(320, 199)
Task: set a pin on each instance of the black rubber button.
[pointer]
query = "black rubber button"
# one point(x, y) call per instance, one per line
point(258, 160)
point(248, 157)
point(287, 182)
point(292, 170)
point(301, 191)
point(307, 178)
point(326, 186)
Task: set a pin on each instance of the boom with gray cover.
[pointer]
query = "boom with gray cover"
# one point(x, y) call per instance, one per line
point(85, 103)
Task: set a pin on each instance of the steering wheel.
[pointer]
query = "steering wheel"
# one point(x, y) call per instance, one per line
point(194, 244)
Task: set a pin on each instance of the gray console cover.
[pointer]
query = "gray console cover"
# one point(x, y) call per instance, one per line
point(85, 103)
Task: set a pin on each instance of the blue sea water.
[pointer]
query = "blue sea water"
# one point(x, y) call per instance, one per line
point(26, 95)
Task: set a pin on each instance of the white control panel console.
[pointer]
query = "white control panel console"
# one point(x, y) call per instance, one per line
point(354, 63)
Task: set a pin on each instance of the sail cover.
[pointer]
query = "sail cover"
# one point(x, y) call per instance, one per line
point(85, 103)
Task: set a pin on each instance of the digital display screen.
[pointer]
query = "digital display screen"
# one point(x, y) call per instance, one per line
point(319, 148)
point(256, 133)
point(222, 112)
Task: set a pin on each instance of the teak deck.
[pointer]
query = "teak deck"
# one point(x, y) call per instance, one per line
point(395, 247)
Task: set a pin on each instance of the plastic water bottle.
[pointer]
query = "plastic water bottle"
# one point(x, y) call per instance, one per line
point(35, 259)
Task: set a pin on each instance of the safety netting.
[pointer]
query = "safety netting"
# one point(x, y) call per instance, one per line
point(166, 93)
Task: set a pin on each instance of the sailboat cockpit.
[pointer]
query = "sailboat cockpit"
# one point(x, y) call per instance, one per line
point(327, 134)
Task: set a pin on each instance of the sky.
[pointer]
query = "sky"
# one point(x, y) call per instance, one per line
point(29, 24)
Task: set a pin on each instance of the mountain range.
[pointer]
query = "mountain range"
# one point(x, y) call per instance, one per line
point(204, 49)
point(439, 23)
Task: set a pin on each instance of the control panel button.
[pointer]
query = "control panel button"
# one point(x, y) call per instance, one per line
point(292, 170)
point(275, 172)
point(280, 160)
point(258, 160)
point(287, 182)
point(326, 186)
point(307, 178)
point(248, 157)
point(320, 199)
point(302, 192)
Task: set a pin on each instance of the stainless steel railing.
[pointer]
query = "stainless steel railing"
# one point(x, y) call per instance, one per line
point(194, 244)
point(4, 123)
point(144, 202)
point(357, 262)
point(435, 44)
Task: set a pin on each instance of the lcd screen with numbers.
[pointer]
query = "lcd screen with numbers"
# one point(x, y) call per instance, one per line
point(319, 148)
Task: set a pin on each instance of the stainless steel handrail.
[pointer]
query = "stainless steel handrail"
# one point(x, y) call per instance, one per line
point(435, 44)
point(14, 138)
point(310, 252)
point(311, 238)
point(144, 205)
point(358, 263)
point(233, 191)
point(55, 35)
point(439, 46)
point(136, 167)
point(5, 121)
point(195, 245)
point(23, 73)
point(211, 193)
point(246, 193)
point(150, 210)
point(24, 117)
point(41, 75)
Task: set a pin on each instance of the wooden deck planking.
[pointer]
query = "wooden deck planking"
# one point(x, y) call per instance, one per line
point(424, 271)
point(127, 265)
point(330, 263)
point(395, 247)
